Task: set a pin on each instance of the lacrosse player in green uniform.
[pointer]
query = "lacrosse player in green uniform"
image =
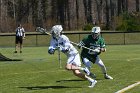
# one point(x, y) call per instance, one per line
point(96, 42)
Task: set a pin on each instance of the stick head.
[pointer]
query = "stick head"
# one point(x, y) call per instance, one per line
point(41, 30)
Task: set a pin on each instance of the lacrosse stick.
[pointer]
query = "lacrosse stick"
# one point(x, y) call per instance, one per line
point(59, 56)
point(83, 47)
point(43, 31)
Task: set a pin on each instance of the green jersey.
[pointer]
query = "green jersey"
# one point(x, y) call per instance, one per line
point(92, 44)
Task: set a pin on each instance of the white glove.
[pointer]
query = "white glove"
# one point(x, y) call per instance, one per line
point(64, 50)
point(97, 50)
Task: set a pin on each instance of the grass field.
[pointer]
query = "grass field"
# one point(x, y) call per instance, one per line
point(40, 72)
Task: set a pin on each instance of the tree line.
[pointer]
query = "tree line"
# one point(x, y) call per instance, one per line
point(71, 14)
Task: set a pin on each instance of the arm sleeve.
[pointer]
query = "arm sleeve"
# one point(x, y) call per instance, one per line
point(52, 44)
point(23, 31)
point(102, 43)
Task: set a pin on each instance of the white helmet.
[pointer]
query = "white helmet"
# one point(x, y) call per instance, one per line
point(56, 31)
point(96, 32)
point(96, 29)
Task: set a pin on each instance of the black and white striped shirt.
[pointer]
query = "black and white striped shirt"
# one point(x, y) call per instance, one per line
point(20, 31)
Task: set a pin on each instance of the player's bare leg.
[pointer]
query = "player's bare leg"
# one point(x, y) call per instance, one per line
point(16, 48)
point(76, 72)
point(21, 48)
point(85, 77)
point(74, 67)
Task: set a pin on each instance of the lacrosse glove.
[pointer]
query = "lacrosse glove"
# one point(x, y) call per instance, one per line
point(65, 50)
point(97, 51)
point(79, 45)
point(51, 51)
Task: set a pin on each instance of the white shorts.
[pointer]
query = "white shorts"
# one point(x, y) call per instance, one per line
point(98, 61)
point(74, 59)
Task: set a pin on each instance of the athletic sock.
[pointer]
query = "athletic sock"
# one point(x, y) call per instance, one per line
point(89, 79)
point(81, 68)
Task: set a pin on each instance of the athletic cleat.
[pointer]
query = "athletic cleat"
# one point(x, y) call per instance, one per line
point(92, 84)
point(15, 52)
point(108, 77)
point(86, 70)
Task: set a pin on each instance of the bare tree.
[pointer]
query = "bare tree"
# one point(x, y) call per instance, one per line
point(137, 5)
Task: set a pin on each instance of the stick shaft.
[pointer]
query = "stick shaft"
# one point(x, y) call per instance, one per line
point(59, 58)
point(59, 55)
point(47, 33)
point(82, 46)
point(76, 44)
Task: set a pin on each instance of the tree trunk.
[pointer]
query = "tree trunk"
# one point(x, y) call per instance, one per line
point(137, 5)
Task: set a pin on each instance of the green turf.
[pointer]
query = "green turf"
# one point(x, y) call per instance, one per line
point(40, 72)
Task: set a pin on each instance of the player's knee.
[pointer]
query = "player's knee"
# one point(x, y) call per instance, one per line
point(76, 72)
point(68, 67)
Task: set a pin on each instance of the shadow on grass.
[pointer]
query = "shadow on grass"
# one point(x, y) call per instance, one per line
point(69, 80)
point(47, 87)
point(75, 80)
point(4, 58)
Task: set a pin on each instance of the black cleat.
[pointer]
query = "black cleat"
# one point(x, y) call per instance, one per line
point(15, 52)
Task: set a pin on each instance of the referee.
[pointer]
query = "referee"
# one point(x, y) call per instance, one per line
point(20, 35)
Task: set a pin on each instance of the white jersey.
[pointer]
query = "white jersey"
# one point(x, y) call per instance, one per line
point(64, 44)
point(20, 31)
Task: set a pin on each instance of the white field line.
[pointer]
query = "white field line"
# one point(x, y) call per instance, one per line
point(129, 87)
point(137, 58)
point(129, 59)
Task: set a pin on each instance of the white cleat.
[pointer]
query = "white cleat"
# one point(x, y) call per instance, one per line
point(86, 70)
point(92, 84)
point(108, 77)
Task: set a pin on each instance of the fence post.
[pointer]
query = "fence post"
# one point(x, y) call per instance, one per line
point(36, 41)
point(124, 38)
point(79, 38)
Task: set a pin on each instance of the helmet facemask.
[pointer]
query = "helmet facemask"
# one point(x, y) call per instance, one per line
point(96, 32)
point(95, 35)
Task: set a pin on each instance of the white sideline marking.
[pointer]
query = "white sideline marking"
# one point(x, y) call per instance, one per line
point(127, 88)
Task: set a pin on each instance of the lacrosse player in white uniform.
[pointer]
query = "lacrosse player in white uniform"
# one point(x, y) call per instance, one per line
point(60, 41)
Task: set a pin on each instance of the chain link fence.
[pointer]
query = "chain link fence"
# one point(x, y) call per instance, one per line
point(37, 39)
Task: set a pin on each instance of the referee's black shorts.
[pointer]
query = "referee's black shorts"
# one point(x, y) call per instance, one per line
point(19, 39)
